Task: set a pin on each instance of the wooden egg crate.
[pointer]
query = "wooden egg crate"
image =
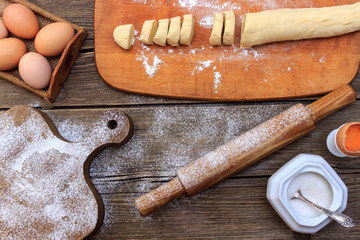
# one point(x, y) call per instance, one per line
point(61, 65)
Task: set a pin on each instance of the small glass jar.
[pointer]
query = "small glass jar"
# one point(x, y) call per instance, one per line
point(307, 171)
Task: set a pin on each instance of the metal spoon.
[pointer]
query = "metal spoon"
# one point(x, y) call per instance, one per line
point(338, 217)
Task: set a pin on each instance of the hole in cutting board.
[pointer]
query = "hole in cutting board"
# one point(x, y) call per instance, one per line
point(112, 124)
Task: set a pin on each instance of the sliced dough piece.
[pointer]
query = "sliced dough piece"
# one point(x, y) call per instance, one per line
point(216, 33)
point(229, 29)
point(124, 35)
point(295, 24)
point(148, 31)
point(187, 29)
point(173, 36)
point(161, 33)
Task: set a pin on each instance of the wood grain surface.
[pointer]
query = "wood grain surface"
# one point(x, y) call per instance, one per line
point(168, 134)
point(270, 71)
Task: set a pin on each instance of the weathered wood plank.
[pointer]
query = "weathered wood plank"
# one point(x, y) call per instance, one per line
point(168, 137)
point(171, 133)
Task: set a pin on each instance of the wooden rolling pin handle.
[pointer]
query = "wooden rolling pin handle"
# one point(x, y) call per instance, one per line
point(332, 102)
point(159, 197)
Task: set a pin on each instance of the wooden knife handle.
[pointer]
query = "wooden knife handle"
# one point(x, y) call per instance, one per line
point(332, 102)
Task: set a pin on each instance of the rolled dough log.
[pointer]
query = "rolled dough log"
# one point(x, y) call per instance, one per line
point(187, 29)
point(148, 31)
point(173, 36)
point(161, 33)
point(216, 33)
point(301, 23)
point(229, 29)
point(124, 35)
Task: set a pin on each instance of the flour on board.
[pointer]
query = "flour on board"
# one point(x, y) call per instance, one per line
point(202, 66)
point(150, 69)
point(206, 22)
point(217, 81)
point(322, 59)
point(140, 1)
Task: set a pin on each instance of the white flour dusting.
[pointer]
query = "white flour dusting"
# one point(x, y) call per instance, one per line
point(196, 174)
point(193, 129)
point(206, 64)
point(140, 1)
point(206, 22)
point(230, 6)
point(217, 81)
point(322, 59)
point(188, 3)
point(150, 69)
point(199, 68)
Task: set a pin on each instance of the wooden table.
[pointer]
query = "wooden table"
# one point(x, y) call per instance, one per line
point(169, 134)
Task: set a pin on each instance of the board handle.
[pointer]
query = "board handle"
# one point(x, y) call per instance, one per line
point(113, 127)
point(332, 102)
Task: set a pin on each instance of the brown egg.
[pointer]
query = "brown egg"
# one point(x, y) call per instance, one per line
point(3, 30)
point(12, 49)
point(348, 139)
point(35, 70)
point(53, 38)
point(21, 21)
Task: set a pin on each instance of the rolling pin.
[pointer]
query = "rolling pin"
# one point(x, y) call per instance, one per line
point(245, 150)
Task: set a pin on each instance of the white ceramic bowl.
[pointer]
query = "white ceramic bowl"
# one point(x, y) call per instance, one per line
point(279, 182)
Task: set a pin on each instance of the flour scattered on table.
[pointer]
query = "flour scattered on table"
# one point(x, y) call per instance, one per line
point(217, 81)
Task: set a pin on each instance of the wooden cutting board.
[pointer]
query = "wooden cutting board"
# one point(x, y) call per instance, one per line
point(45, 189)
point(270, 71)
